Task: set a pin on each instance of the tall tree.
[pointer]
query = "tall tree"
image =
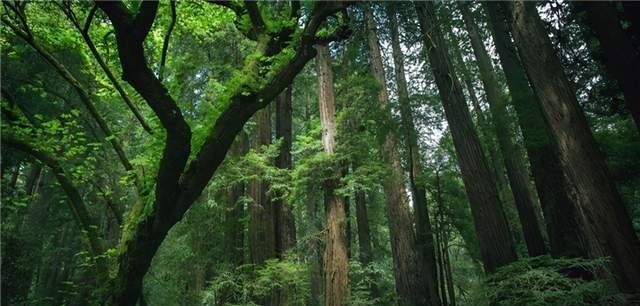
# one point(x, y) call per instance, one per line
point(559, 210)
point(618, 54)
point(604, 219)
point(336, 260)
point(234, 213)
point(496, 245)
point(180, 180)
point(262, 235)
point(411, 283)
point(424, 232)
point(513, 161)
point(285, 227)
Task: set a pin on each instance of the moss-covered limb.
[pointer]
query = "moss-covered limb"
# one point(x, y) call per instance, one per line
point(26, 35)
point(81, 215)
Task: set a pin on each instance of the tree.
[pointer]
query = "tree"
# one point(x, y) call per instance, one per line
point(603, 217)
point(513, 161)
point(336, 260)
point(619, 57)
point(560, 213)
point(424, 233)
point(409, 278)
point(496, 245)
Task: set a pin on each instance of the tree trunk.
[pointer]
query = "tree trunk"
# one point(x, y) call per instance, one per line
point(513, 161)
point(483, 124)
point(364, 232)
point(496, 245)
point(604, 219)
point(619, 56)
point(233, 215)
point(559, 211)
point(285, 224)
point(424, 232)
point(336, 260)
point(411, 283)
point(262, 244)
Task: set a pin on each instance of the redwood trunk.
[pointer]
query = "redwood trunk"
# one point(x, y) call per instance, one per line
point(234, 236)
point(619, 56)
point(285, 224)
point(513, 161)
point(262, 245)
point(411, 283)
point(336, 260)
point(559, 211)
point(604, 219)
point(424, 231)
point(496, 245)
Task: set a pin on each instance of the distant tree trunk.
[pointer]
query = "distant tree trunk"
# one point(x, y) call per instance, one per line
point(234, 213)
point(496, 245)
point(619, 56)
point(559, 210)
point(605, 221)
point(336, 260)
point(632, 15)
point(513, 161)
point(424, 232)
point(285, 224)
point(364, 232)
point(262, 245)
point(411, 283)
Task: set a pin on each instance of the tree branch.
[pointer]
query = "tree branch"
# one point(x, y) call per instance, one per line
point(254, 15)
point(167, 37)
point(79, 209)
point(84, 31)
point(82, 93)
point(242, 107)
point(130, 32)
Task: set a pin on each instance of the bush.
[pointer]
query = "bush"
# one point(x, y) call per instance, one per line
point(543, 280)
point(251, 285)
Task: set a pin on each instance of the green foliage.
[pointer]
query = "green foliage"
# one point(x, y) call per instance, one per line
point(541, 281)
point(249, 285)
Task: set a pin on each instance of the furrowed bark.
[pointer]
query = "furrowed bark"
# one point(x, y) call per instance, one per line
point(336, 259)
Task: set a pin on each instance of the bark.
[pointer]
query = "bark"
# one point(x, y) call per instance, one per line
point(285, 224)
point(513, 161)
point(234, 237)
point(496, 245)
point(424, 233)
point(411, 283)
point(336, 260)
point(262, 235)
point(604, 219)
point(619, 57)
point(559, 211)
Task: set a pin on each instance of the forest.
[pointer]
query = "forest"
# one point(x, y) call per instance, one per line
point(320, 153)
